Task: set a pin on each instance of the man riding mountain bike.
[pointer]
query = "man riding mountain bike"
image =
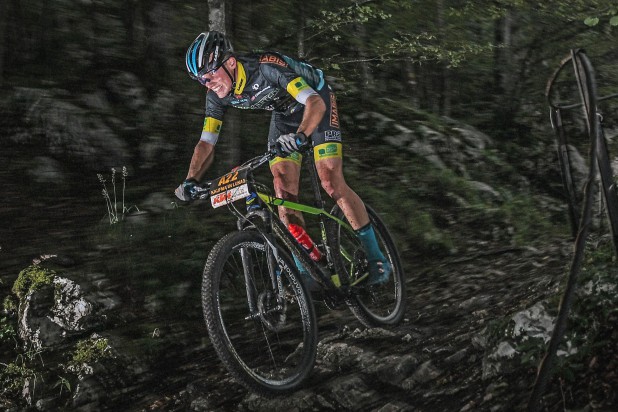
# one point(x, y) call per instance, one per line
point(303, 105)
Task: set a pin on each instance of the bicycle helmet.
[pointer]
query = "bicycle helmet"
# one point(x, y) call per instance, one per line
point(198, 55)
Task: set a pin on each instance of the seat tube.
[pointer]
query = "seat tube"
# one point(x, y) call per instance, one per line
point(315, 182)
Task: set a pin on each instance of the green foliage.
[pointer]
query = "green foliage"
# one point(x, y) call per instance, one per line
point(335, 21)
point(64, 384)
point(426, 47)
point(8, 304)
point(90, 351)
point(113, 214)
point(423, 232)
point(528, 219)
point(13, 377)
point(32, 278)
point(7, 331)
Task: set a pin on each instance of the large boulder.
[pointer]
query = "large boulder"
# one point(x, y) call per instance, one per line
point(67, 131)
point(449, 145)
point(53, 308)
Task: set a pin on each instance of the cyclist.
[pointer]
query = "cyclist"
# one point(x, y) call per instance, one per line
point(302, 105)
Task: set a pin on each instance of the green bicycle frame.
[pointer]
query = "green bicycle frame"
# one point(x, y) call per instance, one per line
point(316, 211)
point(276, 201)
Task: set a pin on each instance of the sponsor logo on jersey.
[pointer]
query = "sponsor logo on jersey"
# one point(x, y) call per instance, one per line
point(334, 114)
point(328, 151)
point(270, 58)
point(261, 91)
point(239, 101)
point(211, 125)
point(257, 105)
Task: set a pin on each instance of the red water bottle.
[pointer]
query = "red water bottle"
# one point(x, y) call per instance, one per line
point(303, 238)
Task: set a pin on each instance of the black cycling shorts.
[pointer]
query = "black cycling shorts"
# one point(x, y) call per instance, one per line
point(327, 130)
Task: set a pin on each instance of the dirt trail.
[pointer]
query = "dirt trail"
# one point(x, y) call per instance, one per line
point(435, 355)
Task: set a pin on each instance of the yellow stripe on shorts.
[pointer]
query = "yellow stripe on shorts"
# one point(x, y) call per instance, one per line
point(295, 157)
point(327, 151)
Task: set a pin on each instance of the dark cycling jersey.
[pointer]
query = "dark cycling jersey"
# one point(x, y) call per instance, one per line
point(275, 82)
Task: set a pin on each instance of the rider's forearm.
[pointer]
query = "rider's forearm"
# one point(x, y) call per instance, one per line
point(314, 111)
point(203, 155)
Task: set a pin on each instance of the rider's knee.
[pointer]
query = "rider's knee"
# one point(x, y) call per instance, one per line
point(334, 188)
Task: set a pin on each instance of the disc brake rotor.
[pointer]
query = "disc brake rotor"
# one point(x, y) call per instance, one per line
point(272, 310)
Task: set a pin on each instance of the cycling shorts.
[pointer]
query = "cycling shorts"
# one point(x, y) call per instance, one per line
point(327, 131)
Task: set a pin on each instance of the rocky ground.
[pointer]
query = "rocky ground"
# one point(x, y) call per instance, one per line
point(434, 361)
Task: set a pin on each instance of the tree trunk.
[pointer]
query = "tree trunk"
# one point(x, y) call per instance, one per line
point(504, 88)
point(361, 53)
point(444, 92)
point(503, 65)
point(129, 18)
point(216, 15)
point(219, 12)
point(301, 28)
point(3, 36)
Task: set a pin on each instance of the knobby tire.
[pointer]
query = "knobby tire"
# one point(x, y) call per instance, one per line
point(382, 305)
point(269, 354)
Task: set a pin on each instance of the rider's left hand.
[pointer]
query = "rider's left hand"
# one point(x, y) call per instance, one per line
point(186, 190)
point(290, 143)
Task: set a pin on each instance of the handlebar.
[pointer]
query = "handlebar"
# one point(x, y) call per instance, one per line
point(202, 191)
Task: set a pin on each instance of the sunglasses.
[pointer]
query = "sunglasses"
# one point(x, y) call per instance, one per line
point(200, 78)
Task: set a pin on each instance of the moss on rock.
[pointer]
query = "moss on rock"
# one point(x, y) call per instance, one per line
point(31, 279)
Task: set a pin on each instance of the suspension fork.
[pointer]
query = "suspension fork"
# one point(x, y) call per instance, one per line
point(247, 268)
point(271, 261)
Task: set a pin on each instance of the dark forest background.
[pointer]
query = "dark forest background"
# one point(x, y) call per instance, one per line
point(446, 132)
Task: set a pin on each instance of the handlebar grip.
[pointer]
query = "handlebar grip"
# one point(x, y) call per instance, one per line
point(301, 140)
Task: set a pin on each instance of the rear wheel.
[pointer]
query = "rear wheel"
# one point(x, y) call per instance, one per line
point(373, 305)
point(262, 327)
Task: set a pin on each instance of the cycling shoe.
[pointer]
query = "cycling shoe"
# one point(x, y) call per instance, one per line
point(379, 272)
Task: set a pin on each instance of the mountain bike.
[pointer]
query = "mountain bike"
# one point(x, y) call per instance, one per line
point(258, 311)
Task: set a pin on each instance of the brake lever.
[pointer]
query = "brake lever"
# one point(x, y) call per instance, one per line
point(202, 192)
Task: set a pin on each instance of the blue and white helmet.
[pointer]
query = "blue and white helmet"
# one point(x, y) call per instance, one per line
point(206, 44)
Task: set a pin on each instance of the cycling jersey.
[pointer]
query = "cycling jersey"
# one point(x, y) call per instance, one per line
point(275, 82)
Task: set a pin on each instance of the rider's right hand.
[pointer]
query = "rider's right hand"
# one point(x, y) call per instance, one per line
point(288, 143)
point(187, 190)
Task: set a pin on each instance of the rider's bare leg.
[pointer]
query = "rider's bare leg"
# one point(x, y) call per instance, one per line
point(286, 178)
point(330, 172)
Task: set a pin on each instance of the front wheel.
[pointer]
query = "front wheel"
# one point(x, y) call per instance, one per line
point(259, 319)
point(382, 305)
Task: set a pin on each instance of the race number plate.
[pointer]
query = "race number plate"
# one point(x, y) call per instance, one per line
point(229, 188)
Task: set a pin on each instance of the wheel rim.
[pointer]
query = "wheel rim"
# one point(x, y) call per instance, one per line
point(382, 302)
point(269, 342)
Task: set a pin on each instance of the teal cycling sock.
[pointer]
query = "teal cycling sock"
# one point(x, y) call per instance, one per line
point(300, 266)
point(368, 239)
point(306, 278)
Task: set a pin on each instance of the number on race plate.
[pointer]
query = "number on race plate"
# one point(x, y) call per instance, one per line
point(229, 188)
